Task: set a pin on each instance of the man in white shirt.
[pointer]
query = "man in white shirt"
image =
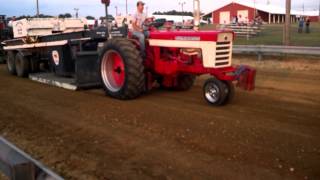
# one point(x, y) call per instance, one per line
point(138, 31)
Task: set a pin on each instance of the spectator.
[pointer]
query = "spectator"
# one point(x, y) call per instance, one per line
point(259, 20)
point(301, 24)
point(308, 25)
point(234, 20)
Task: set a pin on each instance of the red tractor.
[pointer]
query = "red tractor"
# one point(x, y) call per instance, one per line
point(174, 58)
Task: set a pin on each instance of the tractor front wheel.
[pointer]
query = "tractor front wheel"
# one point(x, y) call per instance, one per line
point(122, 70)
point(218, 93)
point(231, 92)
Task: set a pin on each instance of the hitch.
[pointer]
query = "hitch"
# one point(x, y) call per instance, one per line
point(245, 76)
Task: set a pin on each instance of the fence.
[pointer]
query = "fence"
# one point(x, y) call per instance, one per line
point(17, 165)
point(275, 50)
point(247, 31)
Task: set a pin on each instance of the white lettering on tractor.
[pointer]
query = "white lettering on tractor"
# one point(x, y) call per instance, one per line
point(187, 38)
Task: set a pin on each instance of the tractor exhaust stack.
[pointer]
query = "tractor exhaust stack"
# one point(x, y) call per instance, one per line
point(196, 14)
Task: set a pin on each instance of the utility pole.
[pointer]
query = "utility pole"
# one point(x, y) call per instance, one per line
point(286, 36)
point(182, 4)
point(116, 7)
point(255, 9)
point(126, 7)
point(147, 8)
point(38, 12)
point(77, 12)
point(319, 11)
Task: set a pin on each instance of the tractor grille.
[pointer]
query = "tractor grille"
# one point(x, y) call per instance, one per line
point(223, 53)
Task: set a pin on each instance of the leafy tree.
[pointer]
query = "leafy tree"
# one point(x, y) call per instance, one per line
point(44, 16)
point(110, 17)
point(23, 17)
point(66, 15)
point(174, 12)
point(90, 17)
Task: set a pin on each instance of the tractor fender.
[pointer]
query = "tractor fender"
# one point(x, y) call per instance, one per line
point(135, 42)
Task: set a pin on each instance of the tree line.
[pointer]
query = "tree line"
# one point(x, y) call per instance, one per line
point(174, 12)
point(65, 15)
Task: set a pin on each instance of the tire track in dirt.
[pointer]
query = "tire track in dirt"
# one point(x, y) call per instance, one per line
point(167, 135)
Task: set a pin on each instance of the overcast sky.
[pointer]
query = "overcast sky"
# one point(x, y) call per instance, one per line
point(94, 7)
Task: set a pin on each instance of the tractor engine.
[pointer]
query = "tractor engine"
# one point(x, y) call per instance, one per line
point(190, 50)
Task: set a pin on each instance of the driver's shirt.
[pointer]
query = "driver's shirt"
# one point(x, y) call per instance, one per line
point(139, 18)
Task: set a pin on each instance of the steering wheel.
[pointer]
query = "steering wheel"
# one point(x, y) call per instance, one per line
point(149, 24)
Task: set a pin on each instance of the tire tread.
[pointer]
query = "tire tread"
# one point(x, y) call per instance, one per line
point(135, 78)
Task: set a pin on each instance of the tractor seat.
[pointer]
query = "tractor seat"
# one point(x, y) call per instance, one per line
point(131, 36)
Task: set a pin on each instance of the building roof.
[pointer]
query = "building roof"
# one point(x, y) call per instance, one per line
point(311, 13)
point(175, 18)
point(273, 9)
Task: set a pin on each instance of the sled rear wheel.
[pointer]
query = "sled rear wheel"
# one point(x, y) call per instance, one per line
point(11, 66)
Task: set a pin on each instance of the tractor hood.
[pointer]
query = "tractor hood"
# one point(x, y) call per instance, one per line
point(192, 35)
point(216, 46)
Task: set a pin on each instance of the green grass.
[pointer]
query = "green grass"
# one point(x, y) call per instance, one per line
point(272, 35)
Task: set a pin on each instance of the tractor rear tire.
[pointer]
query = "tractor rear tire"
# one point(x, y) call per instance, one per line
point(185, 82)
point(122, 69)
point(22, 65)
point(11, 66)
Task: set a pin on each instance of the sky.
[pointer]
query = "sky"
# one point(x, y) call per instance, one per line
point(96, 9)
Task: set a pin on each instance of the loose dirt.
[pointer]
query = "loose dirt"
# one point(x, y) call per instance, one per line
point(271, 133)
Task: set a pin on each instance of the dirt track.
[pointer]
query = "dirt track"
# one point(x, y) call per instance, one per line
point(272, 133)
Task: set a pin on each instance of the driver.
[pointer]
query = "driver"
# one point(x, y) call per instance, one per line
point(138, 31)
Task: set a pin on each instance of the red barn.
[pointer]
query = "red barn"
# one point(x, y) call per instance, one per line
point(314, 18)
point(312, 15)
point(246, 12)
point(225, 14)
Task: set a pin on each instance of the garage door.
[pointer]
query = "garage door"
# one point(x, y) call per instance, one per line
point(243, 16)
point(225, 17)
